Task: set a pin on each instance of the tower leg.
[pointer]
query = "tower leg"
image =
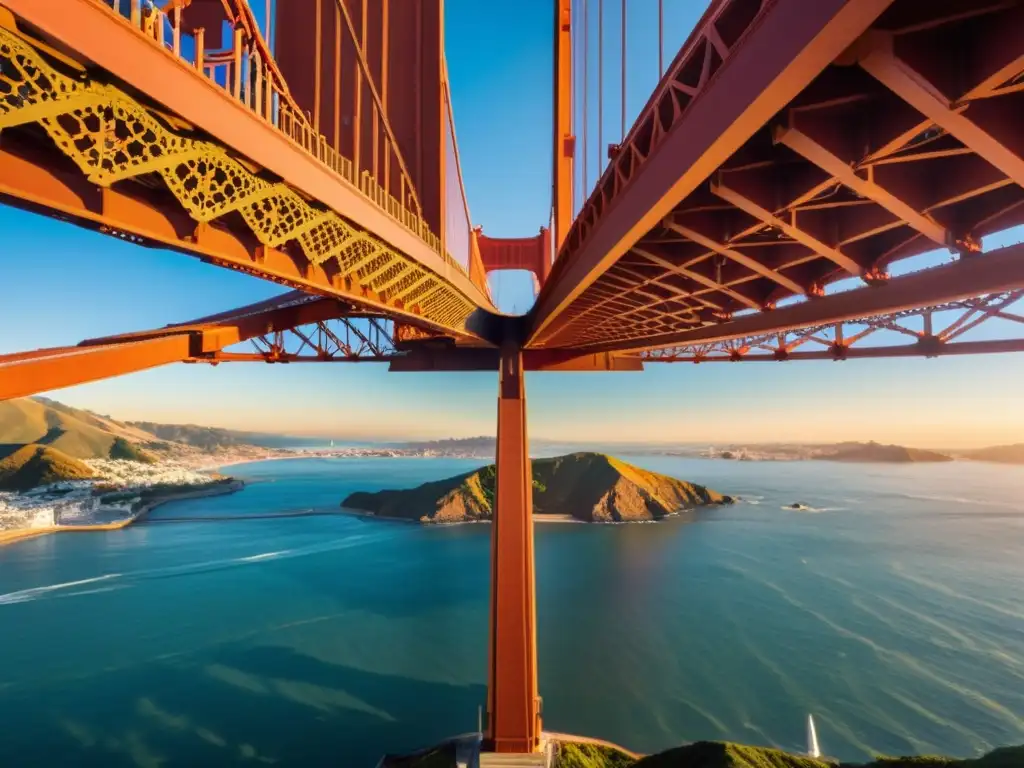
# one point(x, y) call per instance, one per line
point(512, 702)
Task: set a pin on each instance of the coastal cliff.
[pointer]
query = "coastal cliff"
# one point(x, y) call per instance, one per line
point(589, 487)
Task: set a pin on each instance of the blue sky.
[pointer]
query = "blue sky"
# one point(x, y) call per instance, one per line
point(60, 284)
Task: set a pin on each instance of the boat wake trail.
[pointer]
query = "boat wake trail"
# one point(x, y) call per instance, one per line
point(26, 595)
point(124, 580)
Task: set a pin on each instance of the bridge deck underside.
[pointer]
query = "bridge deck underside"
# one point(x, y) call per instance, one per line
point(908, 142)
point(95, 143)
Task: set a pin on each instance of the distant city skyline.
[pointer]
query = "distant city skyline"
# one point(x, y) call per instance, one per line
point(61, 284)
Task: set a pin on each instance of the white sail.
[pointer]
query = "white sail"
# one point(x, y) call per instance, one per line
point(812, 738)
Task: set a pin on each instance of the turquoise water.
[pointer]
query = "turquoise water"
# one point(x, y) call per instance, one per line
point(894, 614)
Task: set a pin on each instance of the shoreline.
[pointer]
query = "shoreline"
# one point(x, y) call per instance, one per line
point(558, 519)
point(22, 534)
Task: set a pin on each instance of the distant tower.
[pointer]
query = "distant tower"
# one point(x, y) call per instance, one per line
point(812, 739)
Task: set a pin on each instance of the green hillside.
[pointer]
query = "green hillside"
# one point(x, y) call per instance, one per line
point(713, 754)
point(34, 465)
point(590, 487)
point(717, 754)
point(204, 438)
point(77, 433)
point(122, 449)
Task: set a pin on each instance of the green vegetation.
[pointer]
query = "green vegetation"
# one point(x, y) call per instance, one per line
point(207, 439)
point(77, 433)
point(569, 755)
point(710, 754)
point(122, 449)
point(714, 754)
point(442, 757)
point(1004, 757)
point(33, 465)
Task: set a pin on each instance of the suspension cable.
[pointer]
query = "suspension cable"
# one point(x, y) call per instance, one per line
point(661, 38)
point(573, 14)
point(622, 98)
point(586, 37)
point(600, 86)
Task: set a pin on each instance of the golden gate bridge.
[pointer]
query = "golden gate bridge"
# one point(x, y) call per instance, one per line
point(791, 154)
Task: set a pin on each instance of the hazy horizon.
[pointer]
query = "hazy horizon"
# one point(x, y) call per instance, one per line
point(385, 439)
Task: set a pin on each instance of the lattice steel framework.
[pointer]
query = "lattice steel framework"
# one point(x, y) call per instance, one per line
point(350, 339)
point(111, 137)
point(860, 338)
point(904, 142)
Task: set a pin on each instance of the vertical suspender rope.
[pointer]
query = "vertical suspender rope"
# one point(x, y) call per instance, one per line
point(586, 36)
point(600, 87)
point(661, 38)
point(266, 24)
point(317, 74)
point(573, 74)
point(622, 98)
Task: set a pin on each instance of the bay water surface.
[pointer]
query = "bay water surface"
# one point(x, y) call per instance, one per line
point(892, 609)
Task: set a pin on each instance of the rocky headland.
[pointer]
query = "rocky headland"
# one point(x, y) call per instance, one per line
point(588, 487)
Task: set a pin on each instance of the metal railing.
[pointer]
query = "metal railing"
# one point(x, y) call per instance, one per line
point(247, 72)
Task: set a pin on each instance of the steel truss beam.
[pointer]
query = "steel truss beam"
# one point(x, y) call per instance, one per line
point(998, 271)
point(28, 373)
point(901, 145)
point(849, 339)
point(155, 181)
point(354, 338)
point(743, 63)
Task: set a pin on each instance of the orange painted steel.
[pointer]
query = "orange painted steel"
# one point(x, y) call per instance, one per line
point(29, 180)
point(994, 272)
point(93, 31)
point(716, 94)
point(342, 79)
point(879, 57)
point(936, 331)
point(916, 349)
point(563, 174)
point(48, 369)
point(530, 253)
point(416, 360)
point(905, 142)
point(513, 705)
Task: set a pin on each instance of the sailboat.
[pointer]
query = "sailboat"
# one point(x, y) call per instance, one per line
point(812, 738)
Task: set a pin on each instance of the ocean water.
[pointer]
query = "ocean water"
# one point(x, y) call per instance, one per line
point(892, 609)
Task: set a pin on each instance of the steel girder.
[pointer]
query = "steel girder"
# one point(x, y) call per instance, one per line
point(905, 141)
point(870, 337)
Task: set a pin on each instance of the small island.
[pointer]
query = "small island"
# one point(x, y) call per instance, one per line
point(585, 487)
